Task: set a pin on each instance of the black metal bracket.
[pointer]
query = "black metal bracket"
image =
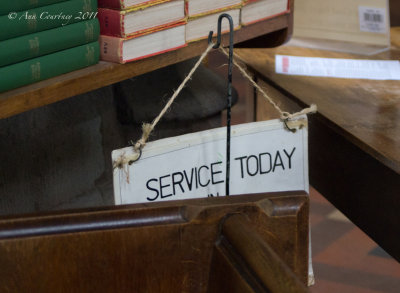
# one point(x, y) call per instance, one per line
point(229, 90)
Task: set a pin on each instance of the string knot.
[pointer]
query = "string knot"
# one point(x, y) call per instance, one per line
point(139, 145)
point(148, 128)
point(285, 115)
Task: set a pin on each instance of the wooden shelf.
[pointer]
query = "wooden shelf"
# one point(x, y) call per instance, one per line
point(68, 85)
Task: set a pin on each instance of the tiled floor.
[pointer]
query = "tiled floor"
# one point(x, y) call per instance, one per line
point(344, 258)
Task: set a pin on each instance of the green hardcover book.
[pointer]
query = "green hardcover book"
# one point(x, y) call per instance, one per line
point(49, 41)
point(44, 67)
point(46, 17)
point(17, 5)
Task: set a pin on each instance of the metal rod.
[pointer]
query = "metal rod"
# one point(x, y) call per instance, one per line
point(229, 93)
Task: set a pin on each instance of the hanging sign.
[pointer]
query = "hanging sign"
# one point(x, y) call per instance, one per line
point(265, 157)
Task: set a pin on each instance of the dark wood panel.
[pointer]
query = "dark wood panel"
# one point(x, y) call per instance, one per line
point(264, 270)
point(228, 276)
point(394, 12)
point(357, 184)
point(162, 247)
point(243, 261)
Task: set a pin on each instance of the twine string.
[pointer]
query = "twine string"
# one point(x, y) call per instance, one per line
point(283, 115)
point(147, 128)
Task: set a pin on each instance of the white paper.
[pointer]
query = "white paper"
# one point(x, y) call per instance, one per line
point(339, 68)
point(372, 19)
point(265, 157)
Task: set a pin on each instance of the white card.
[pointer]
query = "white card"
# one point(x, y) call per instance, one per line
point(265, 157)
point(339, 68)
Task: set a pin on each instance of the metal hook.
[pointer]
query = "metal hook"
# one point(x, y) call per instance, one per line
point(229, 90)
point(137, 159)
point(287, 126)
point(216, 46)
point(132, 143)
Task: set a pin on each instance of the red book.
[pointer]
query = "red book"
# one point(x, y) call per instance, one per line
point(141, 19)
point(122, 50)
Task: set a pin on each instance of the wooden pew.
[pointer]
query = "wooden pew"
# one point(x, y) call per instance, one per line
point(250, 243)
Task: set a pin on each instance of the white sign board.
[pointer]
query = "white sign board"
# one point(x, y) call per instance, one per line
point(265, 157)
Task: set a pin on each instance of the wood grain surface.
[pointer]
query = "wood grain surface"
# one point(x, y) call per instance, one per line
point(250, 252)
point(162, 247)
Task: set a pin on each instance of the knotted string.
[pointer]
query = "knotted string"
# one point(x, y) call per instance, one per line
point(147, 128)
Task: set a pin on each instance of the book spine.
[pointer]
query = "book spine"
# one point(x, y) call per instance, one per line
point(47, 17)
point(111, 49)
point(49, 41)
point(111, 22)
point(48, 66)
point(18, 5)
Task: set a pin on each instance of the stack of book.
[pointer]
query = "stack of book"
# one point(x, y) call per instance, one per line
point(45, 38)
point(136, 29)
point(203, 17)
point(258, 10)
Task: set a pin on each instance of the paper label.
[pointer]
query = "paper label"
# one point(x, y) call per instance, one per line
point(372, 19)
point(339, 68)
point(265, 157)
